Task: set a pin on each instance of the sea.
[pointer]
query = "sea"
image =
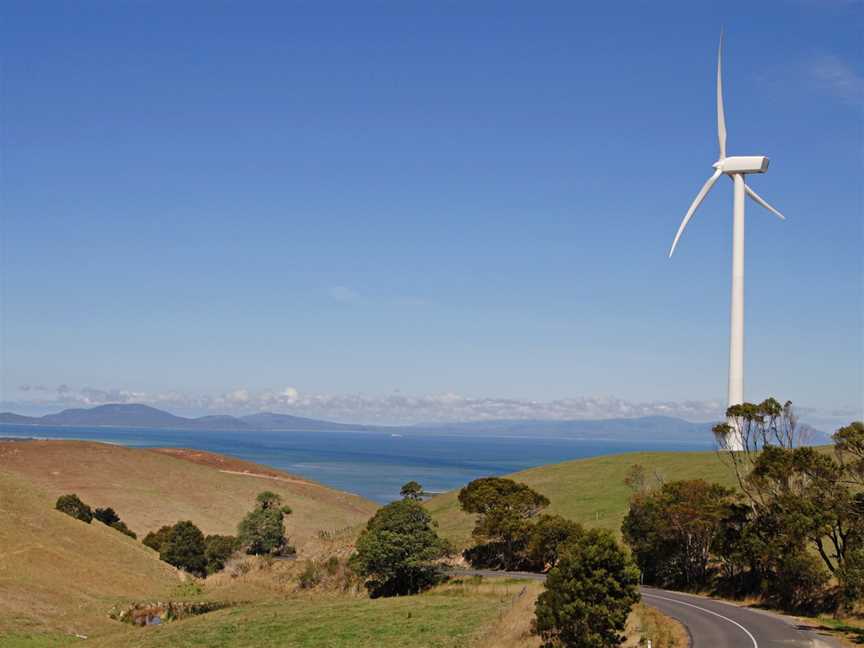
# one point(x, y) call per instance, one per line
point(371, 464)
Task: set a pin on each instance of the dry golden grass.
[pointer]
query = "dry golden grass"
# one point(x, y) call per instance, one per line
point(59, 574)
point(649, 623)
point(149, 488)
point(512, 628)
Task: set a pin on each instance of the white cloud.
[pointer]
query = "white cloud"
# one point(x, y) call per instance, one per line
point(394, 408)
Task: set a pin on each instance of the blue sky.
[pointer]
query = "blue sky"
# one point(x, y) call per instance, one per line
point(437, 200)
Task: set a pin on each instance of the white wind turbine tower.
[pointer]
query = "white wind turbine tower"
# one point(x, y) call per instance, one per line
point(736, 167)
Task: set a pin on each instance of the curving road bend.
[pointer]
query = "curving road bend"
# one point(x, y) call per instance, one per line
point(718, 624)
point(710, 623)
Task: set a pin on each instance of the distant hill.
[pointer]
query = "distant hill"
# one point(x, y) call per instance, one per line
point(144, 416)
point(647, 428)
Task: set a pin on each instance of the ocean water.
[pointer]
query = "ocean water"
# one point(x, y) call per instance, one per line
point(371, 464)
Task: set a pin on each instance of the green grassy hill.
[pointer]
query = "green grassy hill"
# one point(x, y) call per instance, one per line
point(590, 491)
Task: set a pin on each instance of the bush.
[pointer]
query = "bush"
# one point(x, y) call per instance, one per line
point(411, 490)
point(217, 550)
point(504, 509)
point(108, 517)
point(545, 539)
point(398, 549)
point(262, 531)
point(155, 539)
point(797, 584)
point(71, 505)
point(489, 555)
point(184, 548)
point(125, 530)
point(588, 595)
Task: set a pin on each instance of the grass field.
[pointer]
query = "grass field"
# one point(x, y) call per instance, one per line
point(59, 575)
point(590, 491)
point(150, 488)
point(447, 617)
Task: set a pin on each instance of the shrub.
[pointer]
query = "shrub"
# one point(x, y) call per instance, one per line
point(155, 539)
point(588, 595)
point(71, 505)
point(504, 509)
point(411, 490)
point(262, 531)
point(546, 537)
point(217, 550)
point(397, 550)
point(106, 516)
point(122, 528)
point(184, 548)
point(797, 584)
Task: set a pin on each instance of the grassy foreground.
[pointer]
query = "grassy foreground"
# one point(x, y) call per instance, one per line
point(590, 491)
point(450, 616)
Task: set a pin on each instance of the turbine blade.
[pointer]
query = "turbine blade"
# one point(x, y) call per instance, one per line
point(698, 201)
point(721, 114)
point(762, 202)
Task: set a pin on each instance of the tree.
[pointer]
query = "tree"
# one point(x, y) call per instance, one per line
point(108, 516)
point(588, 595)
point(262, 531)
point(546, 537)
point(760, 425)
point(504, 509)
point(849, 447)
point(155, 539)
point(811, 495)
point(184, 548)
point(71, 505)
point(412, 490)
point(671, 531)
point(217, 550)
point(397, 550)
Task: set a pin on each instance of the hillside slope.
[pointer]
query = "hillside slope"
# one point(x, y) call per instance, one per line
point(590, 491)
point(59, 574)
point(151, 488)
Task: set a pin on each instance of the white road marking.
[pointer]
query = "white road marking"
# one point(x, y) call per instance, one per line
point(733, 622)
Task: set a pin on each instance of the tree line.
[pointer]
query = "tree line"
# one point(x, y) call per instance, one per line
point(792, 533)
point(184, 545)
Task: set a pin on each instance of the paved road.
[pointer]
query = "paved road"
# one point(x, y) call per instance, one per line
point(711, 623)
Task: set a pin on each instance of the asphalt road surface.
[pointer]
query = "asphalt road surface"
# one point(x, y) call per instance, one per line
point(711, 623)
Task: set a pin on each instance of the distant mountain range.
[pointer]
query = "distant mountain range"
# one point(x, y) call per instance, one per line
point(144, 416)
point(653, 428)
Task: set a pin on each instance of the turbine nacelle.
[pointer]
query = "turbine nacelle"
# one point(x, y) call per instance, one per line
point(742, 164)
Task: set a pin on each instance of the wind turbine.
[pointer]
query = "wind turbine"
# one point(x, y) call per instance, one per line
point(736, 167)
